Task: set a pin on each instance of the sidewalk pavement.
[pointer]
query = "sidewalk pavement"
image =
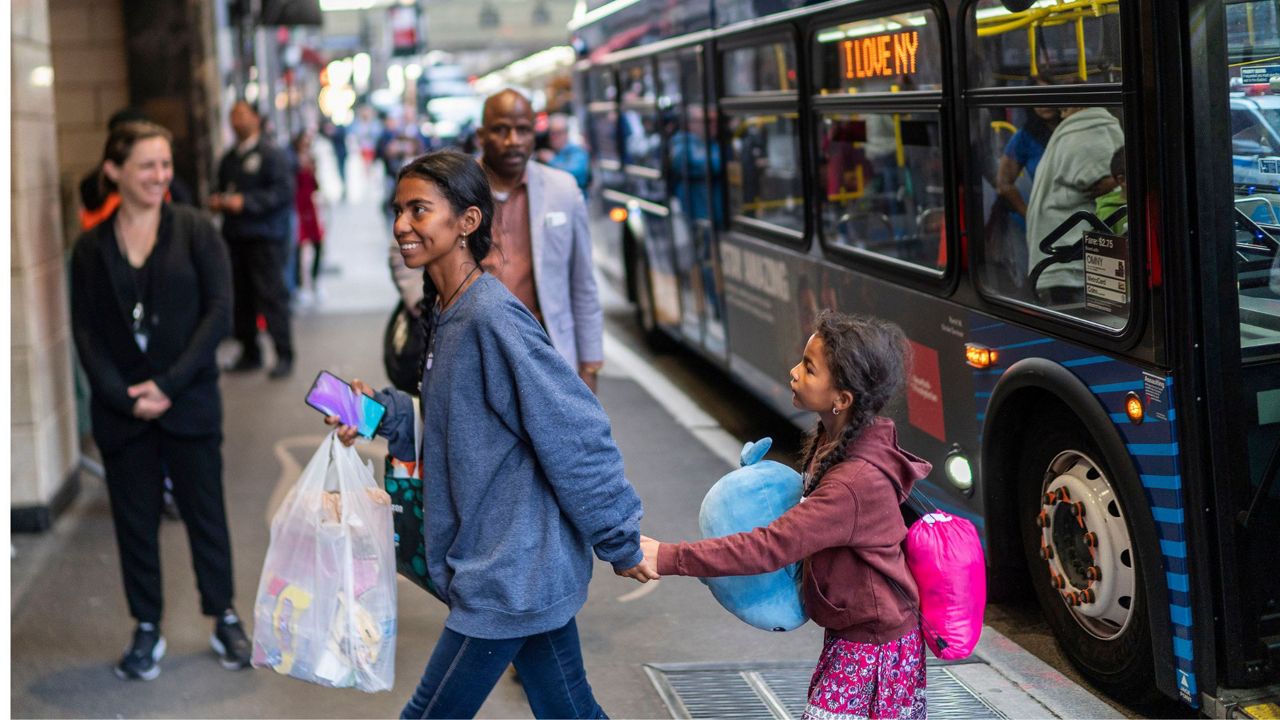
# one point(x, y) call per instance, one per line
point(655, 650)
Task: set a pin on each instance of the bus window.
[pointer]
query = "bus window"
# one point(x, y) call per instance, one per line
point(896, 53)
point(1252, 45)
point(641, 142)
point(767, 68)
point(763, 169)
point(884, 185)
point(602, 116)
point(1073, 42)
point(1055, 223)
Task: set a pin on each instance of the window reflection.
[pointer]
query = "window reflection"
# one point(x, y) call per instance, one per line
point(763, 169)
point(1254, 105)
point(884, 185)
point(1051, 175)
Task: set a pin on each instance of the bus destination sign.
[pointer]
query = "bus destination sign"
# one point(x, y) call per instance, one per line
point(875, 56)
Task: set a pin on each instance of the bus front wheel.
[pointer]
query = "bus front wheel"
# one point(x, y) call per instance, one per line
point(1084, 561)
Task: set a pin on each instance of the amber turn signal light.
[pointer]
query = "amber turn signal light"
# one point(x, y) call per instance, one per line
point(1133, 408)
point(618, 214)
point(979, 356)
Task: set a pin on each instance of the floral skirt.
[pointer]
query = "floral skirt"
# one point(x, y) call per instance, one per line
point(864, 680)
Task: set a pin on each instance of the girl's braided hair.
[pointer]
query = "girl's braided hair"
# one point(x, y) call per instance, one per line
point(462, 182)
point(868, 357)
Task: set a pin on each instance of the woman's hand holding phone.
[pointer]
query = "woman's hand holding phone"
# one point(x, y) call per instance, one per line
point(347, 434)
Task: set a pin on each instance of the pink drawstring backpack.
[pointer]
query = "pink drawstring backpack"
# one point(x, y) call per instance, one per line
point(945, 557)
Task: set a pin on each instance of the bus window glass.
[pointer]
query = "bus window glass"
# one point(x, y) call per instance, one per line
point(602, 128)
point(1253, 44)
point(766, 68)
point(889, 54)
point(762, 171)
point(1050, 42)
point(884, 185)
point(1055, 223)
point(642, 144)
point(600, 86)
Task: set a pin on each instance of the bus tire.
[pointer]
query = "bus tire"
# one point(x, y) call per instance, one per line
point(1084, 561)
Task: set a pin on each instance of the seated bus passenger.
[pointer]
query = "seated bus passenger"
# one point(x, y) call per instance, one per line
point(1109, 203)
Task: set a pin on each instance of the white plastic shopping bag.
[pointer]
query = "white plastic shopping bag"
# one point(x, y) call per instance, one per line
point(325, 611)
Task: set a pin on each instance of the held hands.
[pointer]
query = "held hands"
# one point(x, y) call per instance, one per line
point(347, 434)
point(649, 547)
point(644, 572)
point(149, 401)
point(648, 568)
point(227, 202)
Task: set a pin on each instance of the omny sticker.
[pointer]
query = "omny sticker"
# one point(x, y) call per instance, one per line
point(1269, 165)
point(1106, 272)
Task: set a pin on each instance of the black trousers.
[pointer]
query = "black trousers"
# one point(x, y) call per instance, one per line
point(135, 483)
point(257, 270)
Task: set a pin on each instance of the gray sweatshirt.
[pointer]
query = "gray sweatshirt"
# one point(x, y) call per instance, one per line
point(522, 480)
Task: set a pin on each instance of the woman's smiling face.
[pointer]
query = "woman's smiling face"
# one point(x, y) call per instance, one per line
point(145, 175)
point(426, 228)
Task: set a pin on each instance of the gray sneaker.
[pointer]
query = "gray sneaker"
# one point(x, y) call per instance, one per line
point(229, 641)
point(140, 660)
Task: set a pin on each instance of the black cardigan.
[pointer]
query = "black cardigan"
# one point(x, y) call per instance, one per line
point(189, 313)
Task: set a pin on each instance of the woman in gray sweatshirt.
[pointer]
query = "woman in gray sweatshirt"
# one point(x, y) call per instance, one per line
point(522, 478)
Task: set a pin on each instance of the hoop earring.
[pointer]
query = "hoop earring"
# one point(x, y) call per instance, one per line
point(835, 411)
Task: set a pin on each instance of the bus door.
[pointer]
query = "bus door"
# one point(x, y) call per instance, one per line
point(692, 164)
point(1246, 247)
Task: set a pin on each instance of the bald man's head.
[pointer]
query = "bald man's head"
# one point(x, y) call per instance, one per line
point(506, 134)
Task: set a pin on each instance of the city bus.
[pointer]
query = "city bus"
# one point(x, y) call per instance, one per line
point(1072, 209)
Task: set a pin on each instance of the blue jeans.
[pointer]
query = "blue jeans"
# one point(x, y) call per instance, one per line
point(463, 670)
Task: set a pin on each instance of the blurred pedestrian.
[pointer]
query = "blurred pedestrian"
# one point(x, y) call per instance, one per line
point(525, 477)
point(150, 299)
point(96, 203)
point(337, 135)
point(566, 154)
point(541, 235)
point(255, 195)
point(310, 232)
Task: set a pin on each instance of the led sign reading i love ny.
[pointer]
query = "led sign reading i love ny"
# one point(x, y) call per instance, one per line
point(888, 55)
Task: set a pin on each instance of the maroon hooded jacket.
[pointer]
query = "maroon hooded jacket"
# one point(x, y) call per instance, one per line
point(850, 534)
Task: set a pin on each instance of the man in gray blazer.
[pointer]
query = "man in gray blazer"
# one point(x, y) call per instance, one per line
point(542, 247)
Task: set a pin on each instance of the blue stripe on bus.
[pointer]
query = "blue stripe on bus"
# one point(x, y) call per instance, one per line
point(1180, 615)
point(1161, 482)
point(982, 394)
point(1178, 582)
point(1153, 449)
point(1096, 359)
point(1028, 343)
point(1168, 515)
point(1171, 548)
point(987, 327)
point(1182, 648)
point(1116, 387)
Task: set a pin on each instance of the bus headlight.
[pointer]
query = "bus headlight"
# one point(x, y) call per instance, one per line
point(958, 471)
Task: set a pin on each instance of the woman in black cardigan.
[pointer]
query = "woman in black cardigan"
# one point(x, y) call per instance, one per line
point(150, 299)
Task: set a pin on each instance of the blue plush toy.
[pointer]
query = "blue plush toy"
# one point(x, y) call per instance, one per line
point(747, 498)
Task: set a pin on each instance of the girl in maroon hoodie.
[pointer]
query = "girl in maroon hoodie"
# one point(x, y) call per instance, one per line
point(847, 528)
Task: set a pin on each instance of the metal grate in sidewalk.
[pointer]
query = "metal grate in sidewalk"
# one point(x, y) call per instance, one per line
point(777, 691)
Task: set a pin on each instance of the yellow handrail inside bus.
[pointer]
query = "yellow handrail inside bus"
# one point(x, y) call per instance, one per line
point(1084, 68)
point(1063, 12)
point(781, 57)
point(998, 125)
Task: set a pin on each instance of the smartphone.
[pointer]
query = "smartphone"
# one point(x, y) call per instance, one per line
point(332, 395)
